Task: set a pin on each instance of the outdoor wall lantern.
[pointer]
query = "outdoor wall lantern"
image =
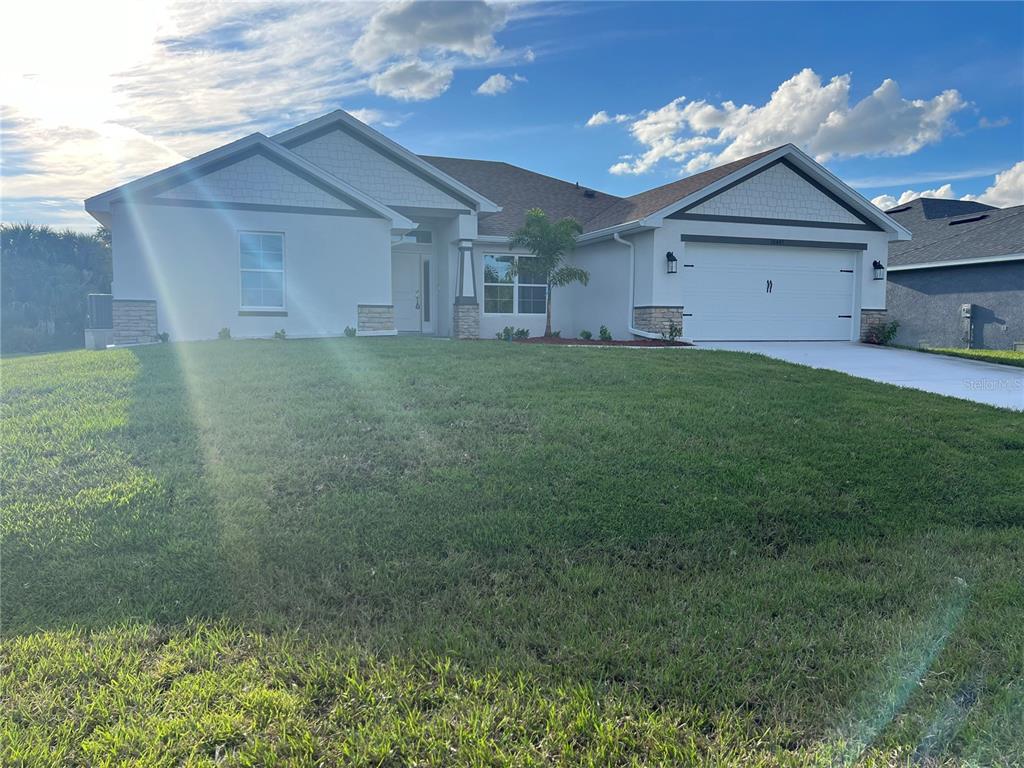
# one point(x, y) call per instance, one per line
point(671, 262)
point(879, 270)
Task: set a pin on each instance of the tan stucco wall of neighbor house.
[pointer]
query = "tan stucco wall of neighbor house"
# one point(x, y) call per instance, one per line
point(376, 175)
point(187, 260)
point(776, 193)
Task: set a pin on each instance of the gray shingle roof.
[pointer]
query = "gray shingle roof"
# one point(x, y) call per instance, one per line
point(517, 190)
point(994, 232)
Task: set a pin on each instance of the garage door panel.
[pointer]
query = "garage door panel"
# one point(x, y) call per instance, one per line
point(726, 293)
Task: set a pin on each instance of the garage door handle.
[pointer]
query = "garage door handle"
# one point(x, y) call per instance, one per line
point(768, 285)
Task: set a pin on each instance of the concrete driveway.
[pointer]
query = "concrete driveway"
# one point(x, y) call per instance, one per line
point(999, 385)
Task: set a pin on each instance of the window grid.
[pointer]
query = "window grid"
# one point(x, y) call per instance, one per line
point(504, 294)
point(261, 269)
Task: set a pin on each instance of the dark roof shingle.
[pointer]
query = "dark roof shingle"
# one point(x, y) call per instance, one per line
point(517, 190)
point(987, 231)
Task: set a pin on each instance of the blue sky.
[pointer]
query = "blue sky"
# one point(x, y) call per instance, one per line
point(896, 99)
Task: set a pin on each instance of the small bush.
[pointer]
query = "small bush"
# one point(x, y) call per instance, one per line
point(604, 334)
point(882, 333)
point(586, 335)
point(506, 333)
point(350, 331)
point(280, 334)
point(224, 334)
point(164, 337)
point(556, 334)
point(521, 333)
point(673, 332)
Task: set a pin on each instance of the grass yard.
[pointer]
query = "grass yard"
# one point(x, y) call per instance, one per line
point(422, 552)
point(1003, 356)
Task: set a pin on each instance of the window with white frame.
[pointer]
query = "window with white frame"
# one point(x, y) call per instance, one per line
point(262, 267)
point(525, 293)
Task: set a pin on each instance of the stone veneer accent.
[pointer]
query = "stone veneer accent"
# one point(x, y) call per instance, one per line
point(375, 317)
point(134, 321)
point(870, 318)
point(657, 319)
point(467, 321)
point(777, 193)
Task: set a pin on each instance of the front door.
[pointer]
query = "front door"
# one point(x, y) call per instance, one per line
point(407, 291)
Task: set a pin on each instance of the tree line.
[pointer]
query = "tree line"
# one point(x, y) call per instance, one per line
point(45, 276)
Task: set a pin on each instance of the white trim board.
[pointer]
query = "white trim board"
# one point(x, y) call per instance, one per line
point(956, 262)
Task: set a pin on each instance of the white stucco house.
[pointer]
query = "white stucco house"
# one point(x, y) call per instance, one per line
point(331, 225)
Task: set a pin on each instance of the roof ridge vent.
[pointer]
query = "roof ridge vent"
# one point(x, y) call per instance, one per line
point(901, 209)
point(968, 220)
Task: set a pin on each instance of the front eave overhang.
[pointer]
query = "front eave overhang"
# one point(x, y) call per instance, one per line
point(628, 227)
point(956, 262)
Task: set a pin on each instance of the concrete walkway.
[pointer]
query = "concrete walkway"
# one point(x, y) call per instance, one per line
point(989, 383)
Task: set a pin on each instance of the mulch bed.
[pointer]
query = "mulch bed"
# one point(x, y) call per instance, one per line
point(600, 343)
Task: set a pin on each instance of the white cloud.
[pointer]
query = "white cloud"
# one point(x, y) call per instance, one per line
point(407, 28)
point(802, 111)
point(603, 118)
point(412, 81)
point(496, 84)
point(135, 86)
point(1000, 122)
point(1005, 191)
point(377, 117)
point(945, 192)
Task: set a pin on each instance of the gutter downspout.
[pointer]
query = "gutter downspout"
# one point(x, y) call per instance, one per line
point(632, 288)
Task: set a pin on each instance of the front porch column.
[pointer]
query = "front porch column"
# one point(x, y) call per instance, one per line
point(466, 323)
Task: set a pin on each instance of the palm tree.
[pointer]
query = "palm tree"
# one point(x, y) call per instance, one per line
point(549, 242)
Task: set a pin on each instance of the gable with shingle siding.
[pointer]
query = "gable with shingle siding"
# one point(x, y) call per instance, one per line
point(368, 169)
point(255, 180)
point(778, 192)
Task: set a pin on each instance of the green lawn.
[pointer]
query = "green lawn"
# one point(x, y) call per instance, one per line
point(1003, 356)
point(424, 552)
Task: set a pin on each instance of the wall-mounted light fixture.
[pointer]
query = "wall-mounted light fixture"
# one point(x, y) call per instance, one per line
point(671, 262)
point(879, 270)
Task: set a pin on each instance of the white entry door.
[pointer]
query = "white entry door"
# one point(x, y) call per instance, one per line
point(407, 291)
point(767, 293)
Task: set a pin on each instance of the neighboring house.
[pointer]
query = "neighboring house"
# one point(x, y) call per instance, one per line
point(332, 225)
point(963, 254)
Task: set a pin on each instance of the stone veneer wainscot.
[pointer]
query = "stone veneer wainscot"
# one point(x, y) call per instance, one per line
point(657, 319)
point(373, 318)
point(134, 321)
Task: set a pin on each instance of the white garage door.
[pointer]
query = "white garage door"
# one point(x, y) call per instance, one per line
point(766, 293)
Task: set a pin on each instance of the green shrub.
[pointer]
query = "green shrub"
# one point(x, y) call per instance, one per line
point(673, 332)
point(521, 333)
point(506, 333)
point(281, 334)
point(224, 334)
point(604, 334)
point(586, 335)
point(882, 333)
point(45, 276)
point(350, 331)
point(164, 337)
